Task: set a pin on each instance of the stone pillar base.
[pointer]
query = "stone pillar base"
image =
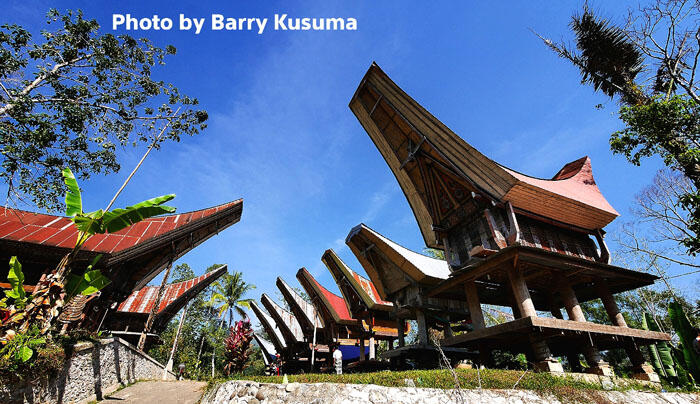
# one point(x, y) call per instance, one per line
point(646, 372)
point(601, 369)
point(549, 365)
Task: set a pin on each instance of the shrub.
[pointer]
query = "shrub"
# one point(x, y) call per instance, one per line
point(237, 347)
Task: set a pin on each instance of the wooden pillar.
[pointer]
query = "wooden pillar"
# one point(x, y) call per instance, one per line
point(572, 355)
point(522, 297)
point(554, 307)
point(422, 328)
point(475, 312)
point(642, 370)
point(400, 324)
point(573, 309)
point(362, 349)
point(544, 361)
point(610, 304)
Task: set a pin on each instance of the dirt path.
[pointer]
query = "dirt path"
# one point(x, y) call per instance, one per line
point(152, 392)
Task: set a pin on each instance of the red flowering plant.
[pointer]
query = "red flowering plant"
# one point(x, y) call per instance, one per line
point(237, 346)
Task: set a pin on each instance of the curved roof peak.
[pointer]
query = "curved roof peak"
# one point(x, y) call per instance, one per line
point(574, 180)
point(580, 168)
point(413, 142)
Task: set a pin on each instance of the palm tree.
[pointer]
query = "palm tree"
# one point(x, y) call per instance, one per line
point(228, 295)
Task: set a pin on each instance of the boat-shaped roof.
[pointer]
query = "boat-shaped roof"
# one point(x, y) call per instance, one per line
point(394, 257)
point(354, 286)
point(286, 322)
point(268, 350)
point(270, 327)
point(305, 312)
point(331, 306)
point(405, 132)
point(142, 249)
point(175, 295)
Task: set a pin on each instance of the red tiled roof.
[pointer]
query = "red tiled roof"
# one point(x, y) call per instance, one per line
point(58, 231)
point(142, 300)
point(334, 303)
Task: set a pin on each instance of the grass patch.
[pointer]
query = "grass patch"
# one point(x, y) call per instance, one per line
point(443, 379)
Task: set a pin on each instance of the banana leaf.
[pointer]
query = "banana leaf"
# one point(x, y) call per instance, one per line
point(684, 378)
point(74, 203)
point(118, 219)
point(663, 349)
point(686, 334)
point(16, 279)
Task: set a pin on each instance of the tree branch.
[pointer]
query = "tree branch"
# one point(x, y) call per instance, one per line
point(7, 108)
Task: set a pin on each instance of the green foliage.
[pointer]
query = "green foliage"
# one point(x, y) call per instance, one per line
point(662, 349)
point(201, 329)
point(99, 221)
point(74, 201)
point(658, 120)
point(91, 282)
point(686, 335)
point(16, 279)
point(507, 360)
point(47, 358)
point(670, 128)
point(228, 295)
point(20, 349)
point(118, 219)
point(443, 379)
point(608, 59)
point(434, 253)
point(74, 96)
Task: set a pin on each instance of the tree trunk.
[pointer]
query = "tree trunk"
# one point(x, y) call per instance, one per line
point(199, 353)
point(213, 352)
point(154, 309)
point(169, 366)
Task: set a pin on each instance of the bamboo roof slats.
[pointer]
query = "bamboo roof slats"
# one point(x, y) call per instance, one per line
point(331, 307)
point(354, 286)
point(286, 322)
point(268, 350)
point(270, 327)
point(304, 312)
point(419, 268)
point(416, 145)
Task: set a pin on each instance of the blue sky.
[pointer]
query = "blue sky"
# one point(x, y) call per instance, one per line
point(282, 137)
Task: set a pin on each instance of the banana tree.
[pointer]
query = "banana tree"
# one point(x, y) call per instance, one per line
point(686, 335)
point(62, 283)
point(660, 353)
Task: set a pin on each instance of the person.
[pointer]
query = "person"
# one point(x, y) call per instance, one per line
point(180, 371)
point(338, 360)
point(278, 363)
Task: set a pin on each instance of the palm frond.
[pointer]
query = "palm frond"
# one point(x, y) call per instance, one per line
point(609, 60)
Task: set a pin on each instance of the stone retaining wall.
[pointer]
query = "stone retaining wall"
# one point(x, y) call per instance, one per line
point(253, 393)
point(94, 370)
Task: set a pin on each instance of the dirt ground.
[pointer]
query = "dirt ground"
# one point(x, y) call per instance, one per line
point(154, 392)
